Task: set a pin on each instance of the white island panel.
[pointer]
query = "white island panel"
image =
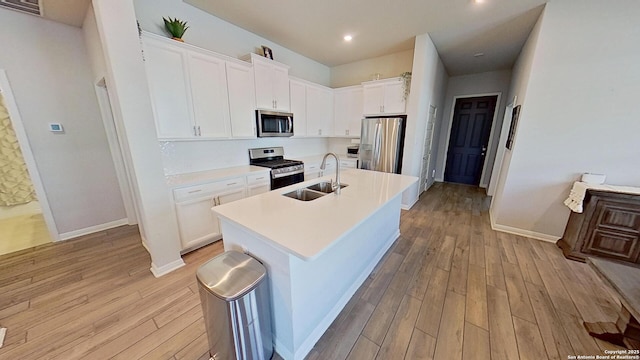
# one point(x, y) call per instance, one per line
point(318, 252)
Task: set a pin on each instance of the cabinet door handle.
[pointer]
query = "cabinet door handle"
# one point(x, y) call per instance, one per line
point(195, 131)
point(199, 131)
point(233, 183)
point(260, 178)
point(194, 191)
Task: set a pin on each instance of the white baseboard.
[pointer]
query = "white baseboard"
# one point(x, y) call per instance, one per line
point(93, 229)
point(158, 271)
point(522, 232)
point(408, 207)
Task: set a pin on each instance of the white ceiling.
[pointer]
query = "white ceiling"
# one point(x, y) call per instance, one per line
point(315, 29)
point(458, 28)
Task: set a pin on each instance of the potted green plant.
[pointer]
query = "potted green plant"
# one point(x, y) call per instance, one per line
point(406, 83)
point(175, 27)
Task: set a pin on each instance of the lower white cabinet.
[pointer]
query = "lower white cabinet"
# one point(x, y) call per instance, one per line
point(350, 163)
point(258, 184)
point(196, 221)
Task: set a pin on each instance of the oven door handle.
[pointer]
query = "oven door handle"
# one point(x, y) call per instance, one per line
point(277, 176)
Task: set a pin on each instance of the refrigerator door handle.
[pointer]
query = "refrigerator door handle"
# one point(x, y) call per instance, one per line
point(376, 146)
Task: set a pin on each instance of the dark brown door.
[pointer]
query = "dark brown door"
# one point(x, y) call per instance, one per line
point(472, 119)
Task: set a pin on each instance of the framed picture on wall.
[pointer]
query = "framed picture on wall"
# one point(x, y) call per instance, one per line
point(267, 52)
point(512, 129)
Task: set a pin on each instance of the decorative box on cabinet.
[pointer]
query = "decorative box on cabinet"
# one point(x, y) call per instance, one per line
point(608, 227)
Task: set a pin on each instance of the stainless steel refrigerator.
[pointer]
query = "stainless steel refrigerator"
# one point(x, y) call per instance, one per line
point(381, 143)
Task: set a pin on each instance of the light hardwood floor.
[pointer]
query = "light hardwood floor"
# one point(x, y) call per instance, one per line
point(449, 288)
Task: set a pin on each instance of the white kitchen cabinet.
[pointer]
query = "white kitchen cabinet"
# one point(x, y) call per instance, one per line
point(169, 89)
point(242, 100)
point(258, 184)
point(196, 221)
point(311, 171)
point(349, 163)
point(272, 84)
point(188, 88)
point(319, 111)
point(207, 75)
point(298, 95)
point(383, 97)
point(347, 114)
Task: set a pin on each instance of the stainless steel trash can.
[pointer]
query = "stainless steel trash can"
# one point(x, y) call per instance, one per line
point(235, 301)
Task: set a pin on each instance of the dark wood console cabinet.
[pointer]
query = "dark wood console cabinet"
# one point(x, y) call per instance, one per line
point(608, 227)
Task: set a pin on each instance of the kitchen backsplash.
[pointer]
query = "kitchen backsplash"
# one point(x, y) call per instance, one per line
point(180, 157)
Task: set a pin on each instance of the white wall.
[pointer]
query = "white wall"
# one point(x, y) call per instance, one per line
point(210, 32)
point(428, 84)
point(131, 106)
point(92, 42)
point(467, 85)
point(387, 66)
point(50, 75)
point(578, 114)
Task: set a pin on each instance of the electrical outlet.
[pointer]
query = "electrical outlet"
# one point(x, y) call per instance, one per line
point(433, 173)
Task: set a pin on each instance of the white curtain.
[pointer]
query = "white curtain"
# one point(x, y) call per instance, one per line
point(15, 184)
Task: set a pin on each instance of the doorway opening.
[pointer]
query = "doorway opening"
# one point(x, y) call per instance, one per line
point(22, 219)
point(469, 139)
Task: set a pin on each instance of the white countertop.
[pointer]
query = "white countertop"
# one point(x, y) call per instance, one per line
point(201, 177)
point(308, 228)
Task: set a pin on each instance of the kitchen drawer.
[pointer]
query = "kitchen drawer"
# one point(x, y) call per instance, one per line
point(351, 164)
point(192, 192)
point(258, 178)
point(195, 191)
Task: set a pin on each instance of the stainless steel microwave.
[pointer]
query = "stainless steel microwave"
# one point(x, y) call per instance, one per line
point(273, 123)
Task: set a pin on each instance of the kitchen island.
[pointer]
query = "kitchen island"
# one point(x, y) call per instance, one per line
point(317, 252)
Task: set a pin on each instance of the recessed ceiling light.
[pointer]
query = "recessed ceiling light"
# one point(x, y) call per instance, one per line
point(478, 1)
point(478, 54)
point(348, 38)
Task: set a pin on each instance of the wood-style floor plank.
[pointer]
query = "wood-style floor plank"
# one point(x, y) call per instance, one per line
point(450, 335)
point(476, 343)
point(421, 346)
point(501, 332)
point(450, 287)
point(530, 346)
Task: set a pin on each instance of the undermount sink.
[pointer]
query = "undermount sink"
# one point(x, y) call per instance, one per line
point(324, 187)
point(312, 192)
point(304, 194)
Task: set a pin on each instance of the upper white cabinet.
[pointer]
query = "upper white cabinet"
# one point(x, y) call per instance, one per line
point(207, 75)
point(347, 115)
point(384, 97)
point(298, 95)
point(168, 87)
point(272, 84)
point(196, 93)
point(312, 108)
point(319, 111)
point(242, 101)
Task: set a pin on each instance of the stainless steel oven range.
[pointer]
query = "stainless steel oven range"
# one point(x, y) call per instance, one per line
point(283, 172)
